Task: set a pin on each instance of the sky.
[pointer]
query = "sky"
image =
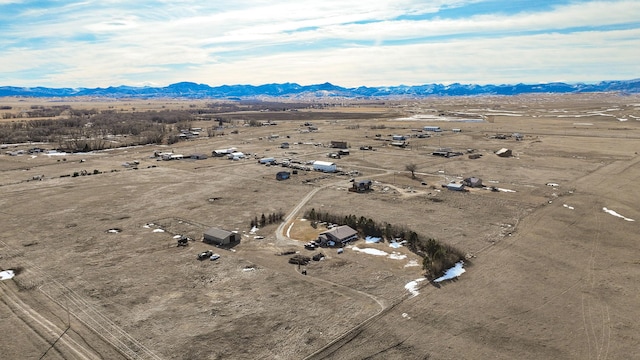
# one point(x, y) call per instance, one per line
point(349, 43)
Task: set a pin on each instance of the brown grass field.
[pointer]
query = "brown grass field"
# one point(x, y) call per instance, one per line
point(551, 272)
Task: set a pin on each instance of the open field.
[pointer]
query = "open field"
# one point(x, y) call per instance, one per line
point(551, 271)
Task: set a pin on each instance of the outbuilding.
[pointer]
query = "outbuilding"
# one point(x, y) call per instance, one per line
point(267, 160)
point(222, 152)
point(473, 182)
point(432, 128)
point(236, 156)
point(199, 156)
point(504, 152)
point(455, 187)
point(362, 185)
point(283, 175)
point(218, 236)
point(324, 166)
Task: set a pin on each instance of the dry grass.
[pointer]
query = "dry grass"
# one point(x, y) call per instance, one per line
point(543, 280)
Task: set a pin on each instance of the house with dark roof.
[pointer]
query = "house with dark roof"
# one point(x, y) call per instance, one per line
point(337, 236)
point(361, 185)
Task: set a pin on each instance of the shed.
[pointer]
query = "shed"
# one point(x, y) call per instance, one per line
point(339, 144)
point(218, 236)
point(283, 175)
point(199, 156)
point(504, 152)
point(432, 128)
point(235, 155)
point(222, 152)
point(267, 160)
point(324, 166)
point(399, 143)
point(473, 182)
point(455, 187)
point(340, 234)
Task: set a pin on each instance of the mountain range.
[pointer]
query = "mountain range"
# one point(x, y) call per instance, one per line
point(190, 90)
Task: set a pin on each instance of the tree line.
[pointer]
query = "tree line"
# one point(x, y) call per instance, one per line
point(272, 218)
point(92, 130)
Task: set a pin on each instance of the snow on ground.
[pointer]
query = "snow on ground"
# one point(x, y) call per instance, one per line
point(397, 256)
point(371, 251)
point(616, 214)
point(254, 229)
point(7, 274)
point(412, 286)
point(372, 240)
point(453, 272)
point(177, 236)
point(395, 244)
point(412, 263)
point(158, 230)
point(506, 190)
point(289, 230)
point(568, 207)
point(394, 255)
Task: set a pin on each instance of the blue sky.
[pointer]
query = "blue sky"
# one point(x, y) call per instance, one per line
point(350, 43)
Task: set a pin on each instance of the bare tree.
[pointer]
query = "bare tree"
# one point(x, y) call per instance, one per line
point(412, 169)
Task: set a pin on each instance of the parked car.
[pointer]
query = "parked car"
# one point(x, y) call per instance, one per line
point(205, 255)
point(214, 257)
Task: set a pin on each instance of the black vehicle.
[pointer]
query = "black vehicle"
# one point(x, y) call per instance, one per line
point(205, 255)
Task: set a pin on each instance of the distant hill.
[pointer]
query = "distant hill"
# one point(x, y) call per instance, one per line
point(190, 90)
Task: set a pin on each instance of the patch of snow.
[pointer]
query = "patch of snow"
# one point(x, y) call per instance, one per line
point(372, 240)
point(552, 184)
point(412, 263)
point(568, 207)
point(113, 231)
point(623, 119)
point(158, 230)
point(453, 272)
point(371, 251)
point(7, 274)
point(253, 230)
point(506, 190)
point(616, 214)
point(177, 236)
point(397, 256)
point(55, 153)
point(412, 286)
point(289, 230)
point(395, 244)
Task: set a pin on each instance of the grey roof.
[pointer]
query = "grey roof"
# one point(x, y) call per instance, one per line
point(217, 233)
point(342, 232)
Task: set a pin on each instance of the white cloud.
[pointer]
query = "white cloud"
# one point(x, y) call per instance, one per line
point(350, 43)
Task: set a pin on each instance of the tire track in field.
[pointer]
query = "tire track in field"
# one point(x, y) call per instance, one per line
point(48, 331)
point(84, 312)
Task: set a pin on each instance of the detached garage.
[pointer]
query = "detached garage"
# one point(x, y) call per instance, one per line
point(217, 236)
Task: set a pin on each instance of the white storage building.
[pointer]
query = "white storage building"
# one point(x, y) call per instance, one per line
point(324, 166)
